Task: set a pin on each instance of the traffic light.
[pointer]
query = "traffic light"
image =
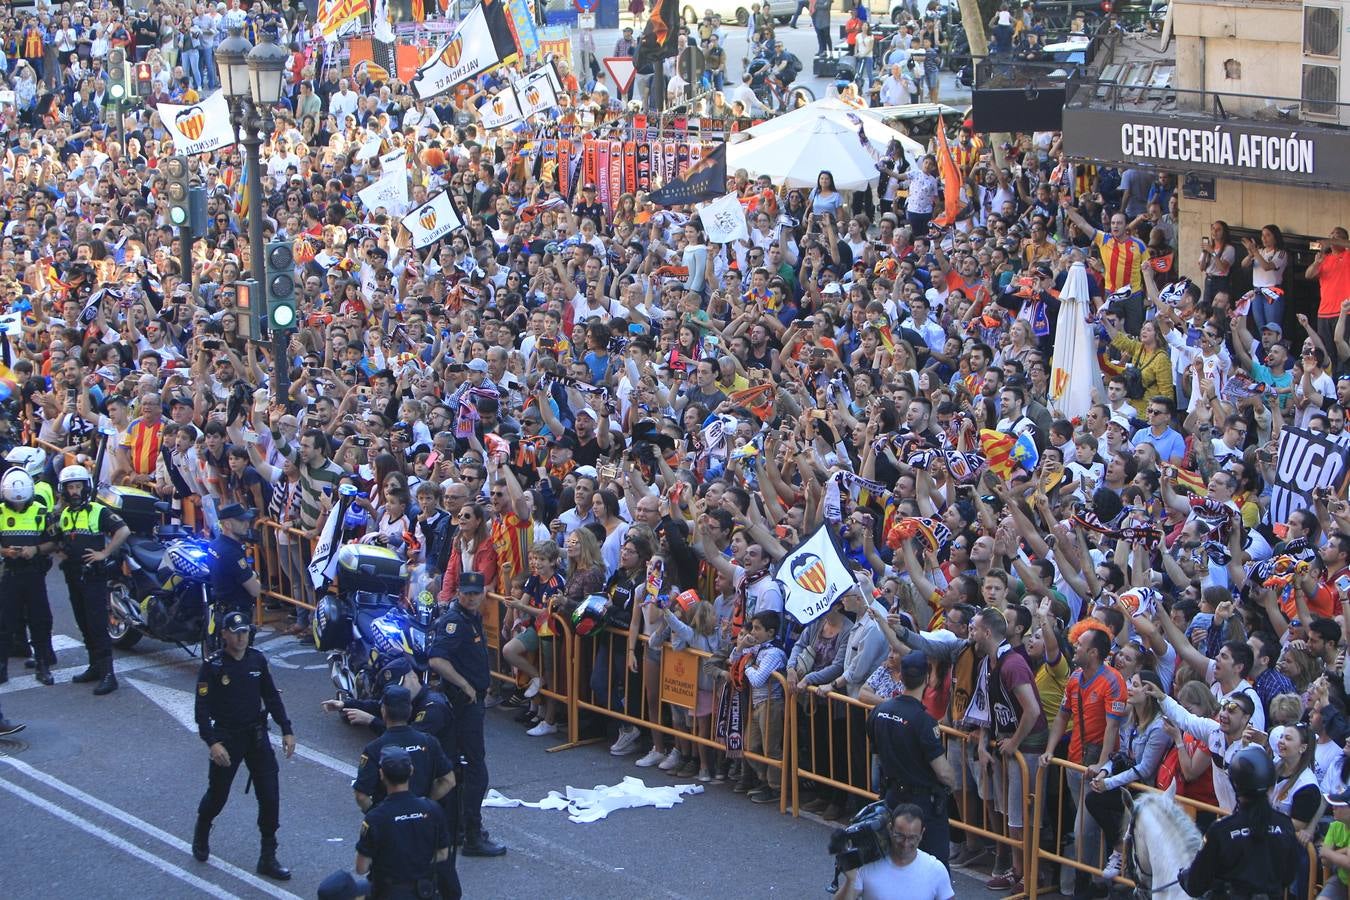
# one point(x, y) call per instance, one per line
point(145, 80)
point(280, 259)
point(250, 317)
point(117, 76)
point(178, 181)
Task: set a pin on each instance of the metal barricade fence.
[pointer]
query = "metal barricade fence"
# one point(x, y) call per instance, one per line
point(603, 684)
point(832, 749)
point(1063, 771)
point(555, 661)
point(283, 554)
point(1001, 788)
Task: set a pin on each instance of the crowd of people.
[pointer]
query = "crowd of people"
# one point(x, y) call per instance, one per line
point(572, 398)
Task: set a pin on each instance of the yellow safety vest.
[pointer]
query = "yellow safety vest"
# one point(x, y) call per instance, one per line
point(80, 527)
point(23, 528)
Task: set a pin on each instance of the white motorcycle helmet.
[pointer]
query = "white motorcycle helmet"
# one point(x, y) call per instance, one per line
point(76, 475)
point(32, 460)
point(16, 488)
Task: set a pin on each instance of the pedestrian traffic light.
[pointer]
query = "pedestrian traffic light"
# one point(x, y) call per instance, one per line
point(117, 76)
point(178, 181)
point(247, 302)
point(280, 259)
point(144, 80)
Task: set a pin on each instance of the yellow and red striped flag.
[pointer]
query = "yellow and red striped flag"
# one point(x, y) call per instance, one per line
point(997, 448)
point(333, 14)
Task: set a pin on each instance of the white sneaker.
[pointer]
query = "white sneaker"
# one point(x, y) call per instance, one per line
point(653, 757)
point(542, 729)
point(672, 760)
point(533, 690)
point(1113, 866)
point(627, 742)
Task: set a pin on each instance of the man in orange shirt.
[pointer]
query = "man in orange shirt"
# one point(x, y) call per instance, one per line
point(1094, 699)
point(1331, 270)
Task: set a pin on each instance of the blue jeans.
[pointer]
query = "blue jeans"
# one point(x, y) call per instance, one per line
point(1264, 311)
point(208, 65)
point(865, 71)
point(191, 61)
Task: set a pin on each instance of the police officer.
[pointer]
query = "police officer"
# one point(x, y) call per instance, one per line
point(431, 713)
point(432, 774)
point(914, 767)
point(234, 583)
point(90, 534)
point(235, 695)
point(25, 541)
point(32, 460)
point(404, 838)
point(458, 654)
point(1250, 852)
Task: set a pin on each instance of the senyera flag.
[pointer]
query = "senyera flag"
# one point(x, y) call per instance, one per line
point(813, 576)
point(951, 179)
point(482, 41)
point(199, 127)
point(433, 220)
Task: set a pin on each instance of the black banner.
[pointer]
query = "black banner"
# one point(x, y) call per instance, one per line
point(705, 181)
point(1305, 461)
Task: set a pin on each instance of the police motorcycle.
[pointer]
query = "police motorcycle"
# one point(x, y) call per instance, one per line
point(160, 586)
point(368, 623)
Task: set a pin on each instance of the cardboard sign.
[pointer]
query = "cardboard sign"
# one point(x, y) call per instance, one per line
point(679, 677)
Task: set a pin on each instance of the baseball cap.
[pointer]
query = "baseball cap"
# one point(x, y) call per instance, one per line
point(566, 441)
point(1275, 327)
point(236, 622)
point(586, 471)
point(587, 411)
point(914, 661)
point(1121, 421)
point(472, 583)
point(1341, 799)
point(343, 886)
point(477, 365)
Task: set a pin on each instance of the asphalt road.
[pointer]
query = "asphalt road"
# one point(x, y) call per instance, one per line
point(98, 798)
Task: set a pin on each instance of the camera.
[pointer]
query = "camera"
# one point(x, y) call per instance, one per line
point(866, 838)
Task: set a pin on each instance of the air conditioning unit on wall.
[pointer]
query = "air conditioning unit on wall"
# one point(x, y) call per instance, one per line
point(1325, 86)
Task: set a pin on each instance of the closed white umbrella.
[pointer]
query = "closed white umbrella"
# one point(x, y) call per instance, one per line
point(801, 119)
point(796, 158)
point(1075, 374)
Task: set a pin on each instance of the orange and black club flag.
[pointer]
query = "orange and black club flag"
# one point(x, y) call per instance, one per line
point(658, 39)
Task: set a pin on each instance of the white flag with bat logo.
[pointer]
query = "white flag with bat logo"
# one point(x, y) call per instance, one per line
point(198, 127)
point(433, 220)
point(724, 220)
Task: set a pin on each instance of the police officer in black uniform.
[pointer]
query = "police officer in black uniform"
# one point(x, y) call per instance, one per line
point(26, 543)
point(403, 838)
point(1251, 852)
point(91, 534)
point(459, 655)
point(235, 695)
point(431, 713)
point(914, 767)
point(432, 775)
point(234, 583)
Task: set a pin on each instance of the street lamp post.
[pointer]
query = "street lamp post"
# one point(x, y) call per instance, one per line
point(252, 78)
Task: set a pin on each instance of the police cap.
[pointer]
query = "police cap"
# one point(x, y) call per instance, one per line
point(396, 764)
point(471, 583)
point(343, 886)
point(397, 701)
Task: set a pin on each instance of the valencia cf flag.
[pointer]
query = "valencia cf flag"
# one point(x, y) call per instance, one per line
point(658, 37)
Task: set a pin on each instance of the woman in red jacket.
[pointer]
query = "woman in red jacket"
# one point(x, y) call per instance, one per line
point(471, 550)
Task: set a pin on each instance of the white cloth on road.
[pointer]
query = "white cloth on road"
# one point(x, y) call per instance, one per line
point(593, 805)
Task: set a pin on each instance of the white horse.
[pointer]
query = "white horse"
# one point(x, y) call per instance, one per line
point(1165, 842)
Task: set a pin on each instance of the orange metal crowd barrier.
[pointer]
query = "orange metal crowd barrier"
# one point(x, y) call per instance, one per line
point(552, 660)
point(283, 555)
point(600, 671)
point(1094, 867)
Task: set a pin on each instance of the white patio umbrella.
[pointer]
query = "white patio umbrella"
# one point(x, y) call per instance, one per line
point(1075, 377)
point(796, 158)
point(879, 134)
